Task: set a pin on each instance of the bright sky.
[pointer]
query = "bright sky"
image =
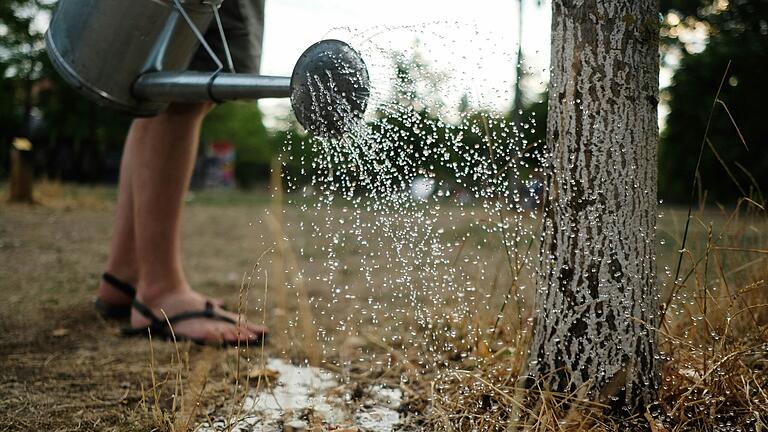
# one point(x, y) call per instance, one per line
point(473, 42)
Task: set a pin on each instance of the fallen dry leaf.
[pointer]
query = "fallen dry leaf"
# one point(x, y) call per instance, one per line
point(263, 373)
point(59, 332)
point(344, 428)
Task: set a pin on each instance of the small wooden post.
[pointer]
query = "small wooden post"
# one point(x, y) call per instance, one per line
point(21, 172)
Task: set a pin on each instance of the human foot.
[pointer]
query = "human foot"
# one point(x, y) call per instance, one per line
point(192, 317)
point(115, 295)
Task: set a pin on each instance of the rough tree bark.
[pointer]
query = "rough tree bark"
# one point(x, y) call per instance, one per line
point(597, 292)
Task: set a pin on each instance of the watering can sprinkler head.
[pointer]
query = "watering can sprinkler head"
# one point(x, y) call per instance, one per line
point(329, 88)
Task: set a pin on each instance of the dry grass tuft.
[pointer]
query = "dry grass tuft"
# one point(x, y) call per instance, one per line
point(55, 195)
point(719, 383)
point(716, 369)
point(714, 351)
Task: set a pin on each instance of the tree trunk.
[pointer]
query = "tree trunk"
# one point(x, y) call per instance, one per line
point(21, 177)
point(596, 306)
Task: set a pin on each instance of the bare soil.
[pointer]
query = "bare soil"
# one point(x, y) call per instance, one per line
point(64, 368)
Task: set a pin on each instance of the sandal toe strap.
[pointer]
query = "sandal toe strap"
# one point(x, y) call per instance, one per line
point(164, 327)
point(208, 313)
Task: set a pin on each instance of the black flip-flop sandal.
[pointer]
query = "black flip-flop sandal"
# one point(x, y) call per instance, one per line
point(111, 311)
point(162, 328)
point(119, 312)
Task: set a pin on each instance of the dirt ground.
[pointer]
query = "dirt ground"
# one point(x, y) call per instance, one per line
point(62, 368)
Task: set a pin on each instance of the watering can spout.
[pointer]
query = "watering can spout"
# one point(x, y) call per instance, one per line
point(191, 86)
point(329, 88)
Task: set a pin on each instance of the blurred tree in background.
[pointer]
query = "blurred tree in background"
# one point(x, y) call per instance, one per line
point(77, 140)
point(73, 138)
point(21, 54)
point(735, 31)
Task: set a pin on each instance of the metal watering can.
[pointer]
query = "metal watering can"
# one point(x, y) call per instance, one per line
point(132, 55)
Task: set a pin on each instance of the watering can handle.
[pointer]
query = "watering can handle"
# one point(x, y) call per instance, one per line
point(223, 37)
point(199, 35)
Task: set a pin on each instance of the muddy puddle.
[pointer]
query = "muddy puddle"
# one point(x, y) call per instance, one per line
point(293, 398)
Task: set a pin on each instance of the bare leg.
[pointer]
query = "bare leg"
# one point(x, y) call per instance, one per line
point(122, 256)
point(162, 153)
point(159, 157)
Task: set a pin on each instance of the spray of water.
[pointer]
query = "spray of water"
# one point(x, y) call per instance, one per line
point(422, 215)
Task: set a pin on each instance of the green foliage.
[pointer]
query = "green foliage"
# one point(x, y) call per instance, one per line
point(11, 113)
point(21, 48)
point(739, 34)
point(21, 52)
point(70, 123)
point(297, 152)
point(240, 123)
point(534, 120)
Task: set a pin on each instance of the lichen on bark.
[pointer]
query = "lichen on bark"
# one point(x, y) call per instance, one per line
point(596, 303)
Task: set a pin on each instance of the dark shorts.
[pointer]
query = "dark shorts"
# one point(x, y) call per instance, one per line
point(243, 23)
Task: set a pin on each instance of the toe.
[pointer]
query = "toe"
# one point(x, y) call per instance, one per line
point(215, 335)
point(257, 329)
point(238, 335)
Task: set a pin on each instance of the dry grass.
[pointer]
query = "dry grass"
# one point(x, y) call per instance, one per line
point(714, 348)
point(61, 368)
point(715, 382)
